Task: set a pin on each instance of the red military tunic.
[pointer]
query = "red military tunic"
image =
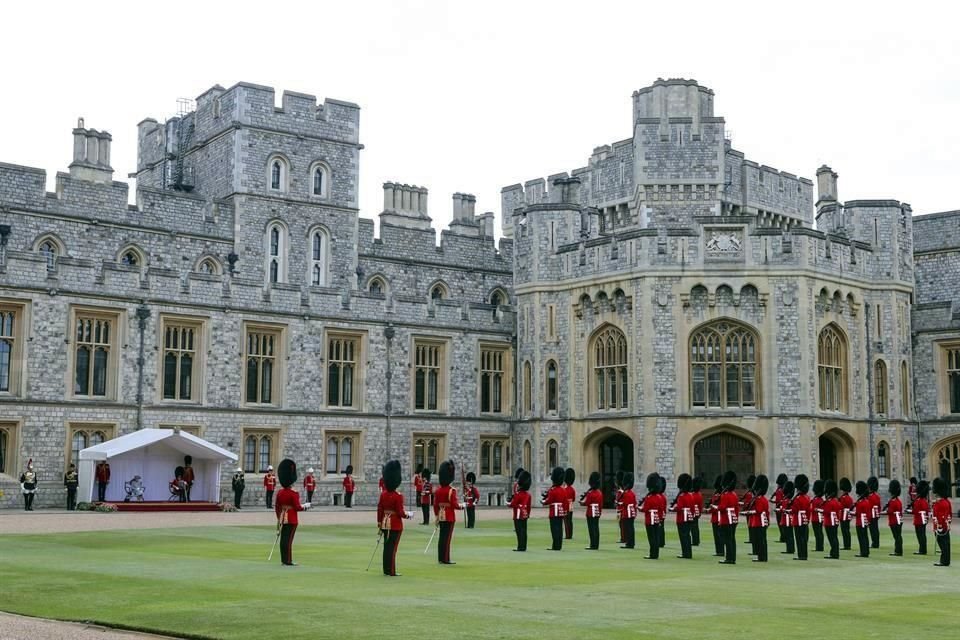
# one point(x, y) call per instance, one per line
point(629, 501)
point(715, 507)
point(348, 484)
point(846, 503)
point(618, 503)
point(862, 511)
point(426, 493)
point(472, 496)
point(747, 498)
point(942, 515)
point(761, 513)
point(651, 509)
point(729, 508)
point(684, 508)
point(593, 501)
point(832, 513)
point(520, 505)
point(816, 509)
point(778, 500)
point(696, 499)
point(921, 512)
point(309, 482)
point(556, 501)
point(287, 505)
point(894, 512)
point(875, 505)
point(417, 486)
point(270, 481)
point(445, 504)
point(912, 492)
point(103, 472)
point(390, 513)
point(571, 497)
point(800, 508)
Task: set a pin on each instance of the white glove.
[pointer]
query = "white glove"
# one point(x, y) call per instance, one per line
point(409, 514)
point(306, 505)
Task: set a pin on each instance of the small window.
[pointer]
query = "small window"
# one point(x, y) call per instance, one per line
point(883, 460)
point(437, 293)
point(276, 251)
point(527, 388)
point(428, 451)
point(277, 172)
point(318, 258)
point(130, 259)
point(553, 455)
point(50, 249)
point(494, 363)
point(82, 436)
point(208, 266)
point(496, 299)
point(527, 455)
point(8, 447)
point(494, 452)
point(377, 287)
point(880, 387)
point(260, 450)
point(342, 450)
point(551, 386)
point(319, 181)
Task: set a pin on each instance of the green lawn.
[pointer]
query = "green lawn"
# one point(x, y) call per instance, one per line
point(216, 583)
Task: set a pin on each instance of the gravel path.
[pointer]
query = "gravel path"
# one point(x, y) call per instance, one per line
point(14, 627)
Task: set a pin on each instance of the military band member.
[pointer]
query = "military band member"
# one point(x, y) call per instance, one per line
point(238, 483)
point(662, 508)
point(816, 514)
point(863, 510)
point(685, 510)
point(426, 496)
point(618, 502)
point(102, 475)
point(921, 516)
point(288, 506)
point(715, 517)
point(847, 514)
point(269, 485)
point(445, 506)
point(832, 516)
point(894, 513)
point(942, 515)
point(875, 501)
point(696, 490)
point(592, 501)
point(911, 493)
point(556, 501)
point(349, 486)
point(28, 485)
point(569, 476)
point(758, 517)
point(520, 506)
point(390, 516)
point(417, 484)
point(628, 500)
point(778, 506)
point(800, 508)
point(516, 479)
point(309, 484)
point(472, 497)
point(177, 486)
point(745, 500)
point(786, 512)
point(188, 477)
point(729, 507)
point(650, 507)
point(71, 479)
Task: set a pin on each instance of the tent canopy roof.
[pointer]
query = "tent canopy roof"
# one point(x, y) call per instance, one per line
point(182, 441)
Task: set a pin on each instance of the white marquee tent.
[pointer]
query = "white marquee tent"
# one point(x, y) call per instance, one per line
point(153, 454)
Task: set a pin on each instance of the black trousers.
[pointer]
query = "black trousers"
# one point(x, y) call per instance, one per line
point(471, 517)
point(629, 532)
point(446, 538)
point(686, 545)
point(186, 492)
point(593, 530)
point(897, 531)
point(790, 540)
point(28, 502)
point(269, 498)
point(653, 539)
point(801, 534)
point(391, 540)
point(863, 539)
point(834, 543)
point(183, 495)
point(759, 535)
point(426, 513)
point(729, 534)
point(309, 496)
point(817, 536)
point(782, 529)
point(520, 528)
point(845, 534)
point(287, 532)
point(921, 538)
point(348, 500)
point(875, 533)
point(237, 498)
point(568, 526)
point(102, 491)
point(556, 533)
point(663, 534)
point(944, 543)
point(717, 539)
point(71, 498)
point(695, 532)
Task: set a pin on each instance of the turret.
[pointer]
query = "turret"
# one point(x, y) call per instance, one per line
point(91, 155)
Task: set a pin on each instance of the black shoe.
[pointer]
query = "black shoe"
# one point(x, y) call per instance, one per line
point(651, 557)
point(448, 562)
point(394, 575)
point(590, 548)
point(804, 559)
point(919, 553)
point(895, 554)
point(847, 549)
point(290, 564)
point(860, 556)
point(627, 547)
point(788, 552)
point(726, 562)
point(755, 560)
point(937, 564)
point(830, 558)
point(718, 555)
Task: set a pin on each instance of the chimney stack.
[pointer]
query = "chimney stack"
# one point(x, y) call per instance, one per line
point(405, 205)
point(91, 155)
point(826, 184)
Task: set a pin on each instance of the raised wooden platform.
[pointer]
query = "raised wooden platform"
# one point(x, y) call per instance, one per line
point(156, 505)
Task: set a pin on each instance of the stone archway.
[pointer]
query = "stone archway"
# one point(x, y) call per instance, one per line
point(612, 451)
point(835, 451)
point(721, 451)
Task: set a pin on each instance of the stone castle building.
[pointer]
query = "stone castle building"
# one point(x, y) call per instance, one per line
point(670, 306)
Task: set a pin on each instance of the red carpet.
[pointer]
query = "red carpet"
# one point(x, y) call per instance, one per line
point(166, 506)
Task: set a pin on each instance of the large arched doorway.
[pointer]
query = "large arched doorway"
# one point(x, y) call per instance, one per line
point(946, 464)
point(720, 452)
point(828, 459)
point(616, 454)
point(835, 449)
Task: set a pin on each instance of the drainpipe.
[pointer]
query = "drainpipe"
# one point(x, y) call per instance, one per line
point(142, 314)
point(869, 376)
point(389, 332)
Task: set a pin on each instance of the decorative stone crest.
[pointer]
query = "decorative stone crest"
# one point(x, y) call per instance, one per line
point(724, 242)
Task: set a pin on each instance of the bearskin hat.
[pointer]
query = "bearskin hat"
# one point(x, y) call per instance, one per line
point(178, 472)
point(788, 489)
point(872, 483)
point(516, 474)
point(418, 470)
point(782, 480)
point(569, 476)
point(349, 470)
point(862, 488)
point(627, 480)
point(187, 461)
point(653, 482)
point(923, 489)
point(913, 480)
point(718, 483)
point(760, 485)
point(941, 488)
point(845, 485)
point(523, 480)
point(683, 482)
point(801, 483)
point(818, 487)
point(750, 480)
point(445, 472)
point(556, 476)
point(663, 485)
point(471, 477)
point(730, 480)
point(425, 474)
point(287, 473)
point(594, 480)
point(830, 488)
point(894, 488)
point(697, 484)
point(619, 478)
point(392, 475)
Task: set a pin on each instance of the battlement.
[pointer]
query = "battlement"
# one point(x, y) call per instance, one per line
point(673, 98)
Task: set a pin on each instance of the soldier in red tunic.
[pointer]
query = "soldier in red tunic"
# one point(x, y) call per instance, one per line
point(786, 513)
point(628, 501)
point(103, 479)
point(745, 500)
point(445, 506)
point(875, 501)
point(778, 506)
point(390, 516)
point(942, 516)
point(417, 484)
point(618, 502)
point(569, 476)
point(556, 501)
point(269, 485)
point(758, 517)
point(921, 516)
point(349, 486)
point(715, 517)
point(471, 496)
point(894, 511)
point(662, 509)
point(800, 507)
point(832, 513)
point(592, 500)
point(520, 506)
point(288, 505)
point(650, 508)
point(309, 484)
point(912, 493)
point(862, 512)
point(188, 476)
point(426, 496)
point(697, 499)
point(729, 508)
point(816, 514)
point(846, 515)
point(516, 480)
point(684, 509)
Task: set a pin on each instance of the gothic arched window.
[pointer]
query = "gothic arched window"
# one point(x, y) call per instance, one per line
point(832, 369)
point(609, 380)
point(724, 366)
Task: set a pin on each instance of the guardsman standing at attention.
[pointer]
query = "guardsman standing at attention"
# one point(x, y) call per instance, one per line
point(102, 475)
point(269, 485)
point(697, 499)
point(745, 500)
point(569, 477)
point(618, 502)
point(28, 485)
point(662, 508)
point(846, 501)
point(390, 516)
point(592, 500)
point(832, 513)
point(800, 507)
point(862, 512)
point(309, 484)
point(921, 516)
point(288, 506)
point(70, 480)
point(426, 496)
point(445, 506)
point(629, 516)
point(786, 510)
point(942, 515)
point(684, 509)
point(912, 493)
point(895, 517)
point(520, 506)
point(556, 501)
point(516, 479)
point(816, 514)
point(349, 486)
point(238, 483)
point(417, 485)
point(778, 506)
point(758, 517)
point(715, 516)
point(729, 517)
point(875, 501)
point(188, 476)
point(472, 498)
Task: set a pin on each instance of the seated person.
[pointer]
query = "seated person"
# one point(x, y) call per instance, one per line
point(178, 486)
point(134, 489)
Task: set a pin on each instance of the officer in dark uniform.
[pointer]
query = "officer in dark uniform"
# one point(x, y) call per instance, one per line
point(71, 479)
point(28, 485)
point(238, 483)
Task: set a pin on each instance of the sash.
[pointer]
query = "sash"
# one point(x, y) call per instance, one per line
point(924, 517)
point(874, 512)
point(686, 515)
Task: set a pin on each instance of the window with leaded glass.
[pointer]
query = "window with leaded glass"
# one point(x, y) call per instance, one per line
point(831, 369)
point(50, 250)
point(553, 455)
point(318, 258)
point(8, 447)
point(11, 346)
point(551, 386)
point(610, 382)
point(94, 338)
point(492, 379)
point(319, 182)
point(880, 387)
point(883, 460)
point(427, 451)
point(82, 436)
point(262, 350)
point(494, 453)
point(343, 357)
point(181, 348)
point(428, 380)
point(724, 366)
point(276, 253)
point(341, 450)
point(260, 450)
point(953, 378)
